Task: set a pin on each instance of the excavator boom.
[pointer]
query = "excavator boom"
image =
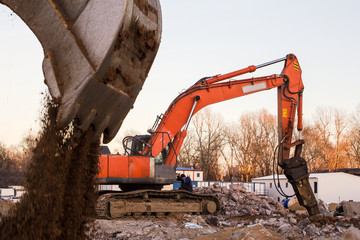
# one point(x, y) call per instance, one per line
point(97, 55)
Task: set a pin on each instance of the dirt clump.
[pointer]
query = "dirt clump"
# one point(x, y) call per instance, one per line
point(60, 185)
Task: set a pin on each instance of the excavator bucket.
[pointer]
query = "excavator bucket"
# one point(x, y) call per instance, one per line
point(97, 55)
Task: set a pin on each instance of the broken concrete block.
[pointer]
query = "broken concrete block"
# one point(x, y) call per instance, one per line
point(216, 185)
point(348, 209)
point(311, 230)
point(352, 233)
point(234, 196)
point(292, 220)
point(342, 226)
point(270, 200)
point(225, 191)
point(332, 206)
point(212, 220)
point(216, 190)
point(288, 231)
point(303, 223)
point(257, 232)
point(192, 225)
point(225, 224)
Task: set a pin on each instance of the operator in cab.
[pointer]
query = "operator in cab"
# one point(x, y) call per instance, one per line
point(185, 183)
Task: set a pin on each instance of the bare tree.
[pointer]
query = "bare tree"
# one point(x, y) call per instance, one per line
point(246, 148)
point(6, 162)
point(208, 141)
point(187, 156)
point(252, 141)
point(266, 141)
point(10, 166)
point(323, 126)
point(354, 139)
point(311, 153)
point(241, 139)
point(340, 158)
point(327, 140)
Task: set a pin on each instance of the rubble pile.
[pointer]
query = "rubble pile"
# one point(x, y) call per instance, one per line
point(317, 227)
point(201, 227)
point(235, 201)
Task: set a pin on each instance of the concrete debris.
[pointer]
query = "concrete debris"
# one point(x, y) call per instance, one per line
point(342, 227)
point(257, 232)
point(311, 230)
point(292, 220)
point(192, 225)
point(243, 216)
point(348, 209)
point(332, 207)
point(320, 227)
point(288, 231)
point(352, 233)
point(303, 223)
point(235, 201)
point(213, 220)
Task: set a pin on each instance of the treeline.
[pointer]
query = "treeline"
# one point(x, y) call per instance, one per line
point(13, 162)
point(241, 150)
point(244, 150)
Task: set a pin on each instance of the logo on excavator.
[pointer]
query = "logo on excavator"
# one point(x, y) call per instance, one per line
point(296, 66)
point(284, 112)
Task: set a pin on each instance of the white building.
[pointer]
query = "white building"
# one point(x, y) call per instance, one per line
point(331, 187)
point(19, 190)
point(195, 174)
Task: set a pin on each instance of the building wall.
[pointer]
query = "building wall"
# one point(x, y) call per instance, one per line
point(271, 190)
point(257, 188)
point(108, 188)
point(331, 188)
point(195, 175)
point(339, 187)
point(285, 186)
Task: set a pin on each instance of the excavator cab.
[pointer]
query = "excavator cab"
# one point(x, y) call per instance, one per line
point(135, 146)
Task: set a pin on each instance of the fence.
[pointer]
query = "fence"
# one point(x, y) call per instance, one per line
point(255, 187)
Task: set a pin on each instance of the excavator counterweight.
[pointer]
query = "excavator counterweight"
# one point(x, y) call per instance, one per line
point(97, 55)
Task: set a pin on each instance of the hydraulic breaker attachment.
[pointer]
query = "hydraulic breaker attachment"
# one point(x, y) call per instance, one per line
point(97, 55)
point(296, 171)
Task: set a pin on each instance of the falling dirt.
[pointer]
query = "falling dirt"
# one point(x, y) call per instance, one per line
point(60, 184)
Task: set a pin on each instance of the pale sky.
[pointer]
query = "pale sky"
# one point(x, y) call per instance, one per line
point(203, 38)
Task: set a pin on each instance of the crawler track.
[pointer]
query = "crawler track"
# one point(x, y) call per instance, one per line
point(148, 202)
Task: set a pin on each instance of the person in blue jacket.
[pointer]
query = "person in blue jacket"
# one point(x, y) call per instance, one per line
point(185, 183)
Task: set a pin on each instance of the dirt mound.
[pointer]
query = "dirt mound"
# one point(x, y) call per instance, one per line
point(60, 184)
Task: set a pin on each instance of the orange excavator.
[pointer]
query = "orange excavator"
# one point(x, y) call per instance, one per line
point(150, 160)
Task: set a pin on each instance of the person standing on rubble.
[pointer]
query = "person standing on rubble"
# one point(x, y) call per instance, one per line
point(185, 183)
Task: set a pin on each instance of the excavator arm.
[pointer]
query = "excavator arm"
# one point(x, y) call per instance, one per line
point(215, 89)
point(171, 129)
